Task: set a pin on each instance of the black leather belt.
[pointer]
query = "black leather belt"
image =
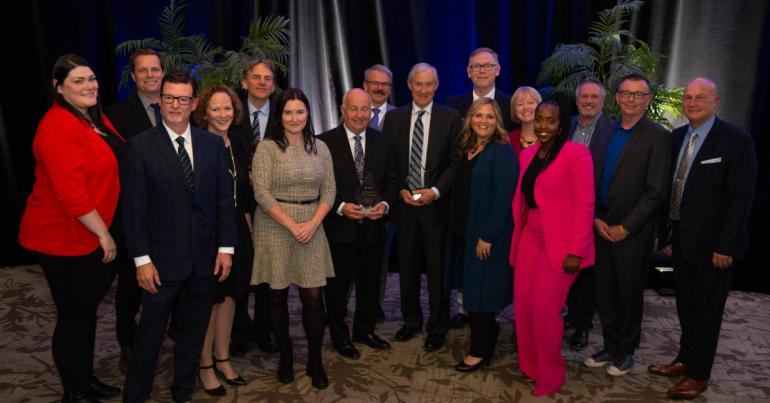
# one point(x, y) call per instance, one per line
point(311, 201)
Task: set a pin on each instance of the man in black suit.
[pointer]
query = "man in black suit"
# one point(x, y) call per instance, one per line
point(139, 113)
point(483, 70)
point(592, 129)
point(712, 190)
point(259, 84)
point(355, 228)
point(631, 173)
point(179, 218)
point(424, 136)
point(378, 82)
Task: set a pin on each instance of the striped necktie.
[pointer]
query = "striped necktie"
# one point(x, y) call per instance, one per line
point(681, 173)
point(359, 157)
point(414, 180)
point(184, 159)
point(255, 130)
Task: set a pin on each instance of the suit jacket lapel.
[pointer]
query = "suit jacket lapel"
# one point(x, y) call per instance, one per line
point(168, 151)
point(705, 149)
point(139, 111)
point(342, 143)
point(635, 135)
point(372, 142)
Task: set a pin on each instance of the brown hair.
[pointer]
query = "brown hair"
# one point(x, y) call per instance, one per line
point(468, 136)
point(143, 52)
point(198, 116)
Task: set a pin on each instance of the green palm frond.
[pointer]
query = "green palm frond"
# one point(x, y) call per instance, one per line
point(171, 23)
point(563, 61)
point(268, 38)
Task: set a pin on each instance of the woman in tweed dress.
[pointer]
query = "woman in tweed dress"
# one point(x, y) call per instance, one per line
point(294, 187)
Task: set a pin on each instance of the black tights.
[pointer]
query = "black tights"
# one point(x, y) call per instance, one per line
point(312, 318)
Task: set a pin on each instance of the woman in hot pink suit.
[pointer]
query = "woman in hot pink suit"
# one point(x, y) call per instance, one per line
point(553, 210)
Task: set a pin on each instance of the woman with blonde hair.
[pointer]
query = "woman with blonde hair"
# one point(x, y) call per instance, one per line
point(523, 103)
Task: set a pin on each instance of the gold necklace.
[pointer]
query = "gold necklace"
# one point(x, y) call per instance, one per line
point(526, 143)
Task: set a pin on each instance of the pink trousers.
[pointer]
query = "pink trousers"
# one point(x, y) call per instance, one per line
point(540, 292)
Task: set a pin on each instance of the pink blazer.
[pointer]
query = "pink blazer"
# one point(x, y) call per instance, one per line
point(565, 195)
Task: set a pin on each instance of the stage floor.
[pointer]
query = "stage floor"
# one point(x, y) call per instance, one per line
point(405, 374)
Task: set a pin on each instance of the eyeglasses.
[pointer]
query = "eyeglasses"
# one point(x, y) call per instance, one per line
point(378, 84)
point(635, 94)
point(486, 67)
point(169, 99)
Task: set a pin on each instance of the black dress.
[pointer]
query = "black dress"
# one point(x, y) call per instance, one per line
point(238, 283)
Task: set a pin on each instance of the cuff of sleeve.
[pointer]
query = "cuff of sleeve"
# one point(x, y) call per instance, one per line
point(387, 206)
point(142, 260)
point(339, 209)
point(435, 190)
point(226, 249)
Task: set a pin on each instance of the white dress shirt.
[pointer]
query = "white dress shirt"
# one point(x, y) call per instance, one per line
point(425, 138)
point(352, 144)
point(491, 95)
point(264, 112)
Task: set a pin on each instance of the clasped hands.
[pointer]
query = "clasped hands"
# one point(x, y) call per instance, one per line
point(354, 211)
point(611, 233)
point(148, 278)
point(427, 196)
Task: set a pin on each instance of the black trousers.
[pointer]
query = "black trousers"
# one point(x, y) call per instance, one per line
point(701, 293)
point(422, 245)
point(484, 331)
point(621, 274)
point(78, 284)
point(127, 296)
point(581, 299)
point(192, 299)
point(258, 328)
point(363, 259)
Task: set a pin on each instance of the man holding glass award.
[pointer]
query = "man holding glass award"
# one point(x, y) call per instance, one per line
point(356, 228)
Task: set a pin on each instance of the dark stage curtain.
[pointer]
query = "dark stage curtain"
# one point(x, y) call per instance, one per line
point(335, 40)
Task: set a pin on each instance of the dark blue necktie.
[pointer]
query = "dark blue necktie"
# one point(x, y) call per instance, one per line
point(184, 159)
point(158, 117)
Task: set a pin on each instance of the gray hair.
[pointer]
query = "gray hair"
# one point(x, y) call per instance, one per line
point(381, 68)
point(483, 50)
point(591, 80)
point(419, 68)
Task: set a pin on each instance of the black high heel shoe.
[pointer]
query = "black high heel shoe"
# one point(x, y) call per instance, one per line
point(237, 381)
point(286, 364)
point(463, 367)
point(218, 391)
point(315, 371)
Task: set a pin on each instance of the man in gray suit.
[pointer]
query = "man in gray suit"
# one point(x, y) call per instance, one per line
point(632, 175)
point(593, 129)
point(378, 81)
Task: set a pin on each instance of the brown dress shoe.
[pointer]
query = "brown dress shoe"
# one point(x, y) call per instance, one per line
point(676, 368)
point(687, 388)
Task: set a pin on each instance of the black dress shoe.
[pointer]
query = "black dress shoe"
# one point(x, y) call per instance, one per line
point(218, 391)
point(347, 350)
point(372, 340)
point(82, 397)
point(406, 333)
point(458, 321)
point(267, 346)
point(433, 342)
point(125, 354)
point(237, 381)
point(100, 390)
point(579, 339)
point(463, 367)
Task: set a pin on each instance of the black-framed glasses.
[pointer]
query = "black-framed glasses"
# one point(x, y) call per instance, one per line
point(486, 67)
point(635, 94)
point(169, 99)
point(381, 84)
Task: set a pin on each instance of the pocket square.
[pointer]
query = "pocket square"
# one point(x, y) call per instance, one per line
point(712, 161)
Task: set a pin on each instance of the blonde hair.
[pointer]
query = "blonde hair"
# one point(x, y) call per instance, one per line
point(523, 90)
point(468, 136)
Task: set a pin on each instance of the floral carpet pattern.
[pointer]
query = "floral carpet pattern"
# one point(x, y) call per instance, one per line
point(405, 374)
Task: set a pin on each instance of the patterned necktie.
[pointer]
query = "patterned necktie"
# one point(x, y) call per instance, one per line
point(184, 159)
point(414, 180)
point(158, 117)
point(255, 130)
point(358, 157)
point(375, 119)
point(678, 187)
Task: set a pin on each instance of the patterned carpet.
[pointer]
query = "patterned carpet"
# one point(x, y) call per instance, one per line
point(406, 374)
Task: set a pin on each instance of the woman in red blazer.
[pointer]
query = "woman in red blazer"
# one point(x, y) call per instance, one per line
point(553, 210)
point(67, 218)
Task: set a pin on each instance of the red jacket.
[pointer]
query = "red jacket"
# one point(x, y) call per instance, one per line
point(75, 172)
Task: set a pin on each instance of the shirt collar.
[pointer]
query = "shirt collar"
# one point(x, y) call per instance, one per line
point(427, 109)
point(490, 95)
point(172, 134)
point(265, 109)
point(591, 123)
point(146, 102)
point(351, 135)
point(705, 128)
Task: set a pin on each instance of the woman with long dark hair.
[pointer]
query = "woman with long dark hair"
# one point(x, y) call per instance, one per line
point(481, 226)
point(295, 189)
point(68, 218)
point(553, 209)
